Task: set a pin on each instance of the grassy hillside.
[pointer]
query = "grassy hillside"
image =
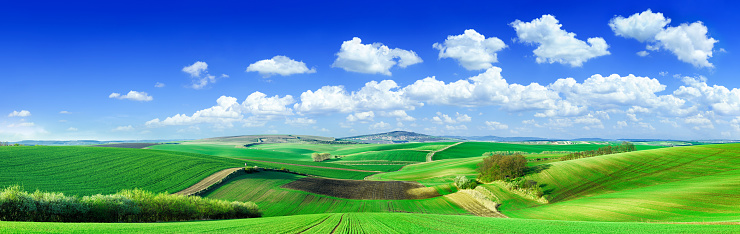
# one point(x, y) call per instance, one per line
point(390, 155)
point(230, 151)
point(696, 183)
point(434, 173)
point(322, 172)
point(475, 149)
point(370, 223)
point(79, 170)
point(263, 188)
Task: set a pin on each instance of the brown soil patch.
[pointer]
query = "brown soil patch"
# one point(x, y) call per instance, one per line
point(469, 203)
point(208, 181)
point(128, 145)
point(362, 189)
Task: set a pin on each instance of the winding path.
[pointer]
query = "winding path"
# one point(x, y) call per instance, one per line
point(208, 181)
point(431, 154)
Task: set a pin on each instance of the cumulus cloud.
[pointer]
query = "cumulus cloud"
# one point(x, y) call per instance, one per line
point(124, 128)
point(715, 98)
point(22, 113)
point(689, 42)
point(199, 75)
point(493, 125)
point(299, 121)
point(373, 58)
point(380, 125)
point(384, 95)
point(132, 95)
point(699, 121)
point(471, 49)
point(556, 45)
point(159, 85)
point(279, 65)
point(454, 128)
point(400, 115)
point(643, 53)
point(229, 111)
point(361, 117)
point(443, 118)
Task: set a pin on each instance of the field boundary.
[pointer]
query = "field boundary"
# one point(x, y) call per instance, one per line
point(431, 154)
point(333, 168)
point(212, 182)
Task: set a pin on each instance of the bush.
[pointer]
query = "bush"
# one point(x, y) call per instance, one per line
point(125, 206)
point(318, 157)
point(463, 182)
point(500, 167)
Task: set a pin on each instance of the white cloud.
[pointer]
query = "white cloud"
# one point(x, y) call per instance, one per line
point(374, 95)
point(399, 114)
point(454, 128)
point(493, 125)
point(279, 65)
point(372, 58)
point(641, 26)
point(299, 121)
point(663, 73)
point(556, 45)
point(621, 124)
point(380, 125)
point(21, 124)
point(22, 113)
point(699, 121)
point(123, 128)
point(229, 111)
point(471, 49)
point(199, 74)
point(132, 95)
point(643, 53)
point(64, 112)
point(361, 117)
point(689, 42)
point(72, 129)
point(716, 98)
point(159, 85)
point(443, 118)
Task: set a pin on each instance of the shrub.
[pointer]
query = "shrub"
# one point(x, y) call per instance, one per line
point(463, 182)
point(125, 206)
point(499, 167)
point(318, 157)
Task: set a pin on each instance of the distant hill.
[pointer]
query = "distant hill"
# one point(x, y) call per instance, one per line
point(84, 142)
point(496, 138)
point(266, 139)
point(397, 137)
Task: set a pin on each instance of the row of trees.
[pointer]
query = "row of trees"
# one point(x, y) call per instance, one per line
point(8, 144)
point(500, 167)
point(126, 206)
point(318, 157)
point(620, 148)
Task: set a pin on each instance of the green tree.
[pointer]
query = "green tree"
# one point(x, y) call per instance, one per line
point(500, 167)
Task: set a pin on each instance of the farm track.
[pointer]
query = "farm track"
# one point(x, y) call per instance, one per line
point(333, 168)
point(208, 181)
point(431, 154)
point(469, 203)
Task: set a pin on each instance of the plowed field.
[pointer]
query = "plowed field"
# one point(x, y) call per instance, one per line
point(363, 190)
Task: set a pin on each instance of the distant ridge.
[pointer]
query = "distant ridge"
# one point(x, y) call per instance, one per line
point(497, 138)
point(396, 137)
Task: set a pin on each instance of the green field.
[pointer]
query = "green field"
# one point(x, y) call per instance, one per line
point(79, 170)
point(435, 172)
point(682, 184)
point(475, 149)
point(263, 188)
point(390, 155)
point(230, 151)
point(322, 172)
point(369, 223)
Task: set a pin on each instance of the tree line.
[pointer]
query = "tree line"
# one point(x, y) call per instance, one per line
point(609, 149)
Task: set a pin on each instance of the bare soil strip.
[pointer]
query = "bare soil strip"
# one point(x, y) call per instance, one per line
point(128, 145)
point(363, 189)
point(333, 168)
point(469, 203)
point(430, 155)
point(208, 181)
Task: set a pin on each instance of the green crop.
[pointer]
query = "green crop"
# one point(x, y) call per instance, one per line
point(475, 149)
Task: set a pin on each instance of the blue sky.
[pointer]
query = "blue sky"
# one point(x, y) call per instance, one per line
point(145, 70)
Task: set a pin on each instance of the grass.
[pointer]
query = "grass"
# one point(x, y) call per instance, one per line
point(80, 170)
point(230, 151)
point(369, 223)
point(263, 188)
point(476, 149)
point(322, 172)
point(694, 183)
point(390, 155)
point(435, 172)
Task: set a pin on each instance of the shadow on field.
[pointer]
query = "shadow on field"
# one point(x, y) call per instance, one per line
point(537, 169)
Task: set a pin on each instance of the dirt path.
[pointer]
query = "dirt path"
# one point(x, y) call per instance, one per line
point(469, 203)
point(430, 155)
point(333, 168)
point(207, 182)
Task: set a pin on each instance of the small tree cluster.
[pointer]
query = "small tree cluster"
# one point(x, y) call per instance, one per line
point(500, 167)
point(621, 148)
point(529, 187)
point(126, 206)
point(318, 157)
point(463, 182)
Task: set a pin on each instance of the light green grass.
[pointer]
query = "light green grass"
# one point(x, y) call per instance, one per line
point(263, 188)
point(368, 223)
point(694, 183)
point(79, 170)
point(390, 155)
point(476, 149)
point(435, 172)
point(230, 151)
